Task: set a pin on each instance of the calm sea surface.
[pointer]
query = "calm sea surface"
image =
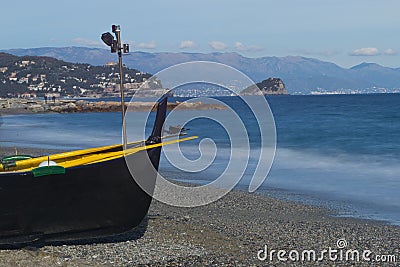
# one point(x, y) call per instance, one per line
point(340, 151)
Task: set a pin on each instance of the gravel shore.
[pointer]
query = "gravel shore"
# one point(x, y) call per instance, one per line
point(228, 232)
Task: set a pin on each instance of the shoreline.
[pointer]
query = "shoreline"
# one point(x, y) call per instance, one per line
point(337, 208)
point(229, 231)
point(337, 211)
point(22, 106)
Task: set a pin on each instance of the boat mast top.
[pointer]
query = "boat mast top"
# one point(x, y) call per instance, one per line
point(116, 46)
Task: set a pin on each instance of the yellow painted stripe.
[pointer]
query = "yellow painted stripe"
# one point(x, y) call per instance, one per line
point(60, 157)
point(33, 162)
point(101, 157)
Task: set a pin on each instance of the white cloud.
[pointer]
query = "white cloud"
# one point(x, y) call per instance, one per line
point(217, 45)
point(150, 45)
point(187, 44)
point(83, 41)
point(249, 48)
point(390, 52)
point(366, 51)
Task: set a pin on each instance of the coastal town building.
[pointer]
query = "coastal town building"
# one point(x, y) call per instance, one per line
point(31, 77)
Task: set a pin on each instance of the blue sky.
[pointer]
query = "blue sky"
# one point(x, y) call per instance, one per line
point(346, 32)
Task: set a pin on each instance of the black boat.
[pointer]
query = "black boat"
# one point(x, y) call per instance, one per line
point(80, 194)
point(89, 193)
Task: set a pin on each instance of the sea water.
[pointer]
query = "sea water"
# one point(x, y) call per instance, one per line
point(340, 151)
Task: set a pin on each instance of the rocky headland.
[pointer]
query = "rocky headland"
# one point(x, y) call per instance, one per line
point(270, 86)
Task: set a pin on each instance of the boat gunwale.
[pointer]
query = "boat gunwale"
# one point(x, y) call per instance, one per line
point(105, 158)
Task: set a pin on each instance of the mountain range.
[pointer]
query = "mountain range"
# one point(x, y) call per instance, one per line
point(300, 74)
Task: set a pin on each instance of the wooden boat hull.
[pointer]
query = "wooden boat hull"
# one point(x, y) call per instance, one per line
point(87, 201)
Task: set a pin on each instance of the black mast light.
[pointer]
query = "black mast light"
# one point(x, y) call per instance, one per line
point(107, 38)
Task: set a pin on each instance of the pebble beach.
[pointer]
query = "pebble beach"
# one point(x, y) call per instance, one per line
point(233, 231)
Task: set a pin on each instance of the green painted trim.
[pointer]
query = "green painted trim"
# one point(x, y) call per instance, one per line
point(15, 158)
point(48, 170)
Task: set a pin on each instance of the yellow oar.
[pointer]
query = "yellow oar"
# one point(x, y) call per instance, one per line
point(135, 150)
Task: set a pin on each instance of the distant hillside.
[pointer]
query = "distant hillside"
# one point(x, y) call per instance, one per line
point(40, 75)
point(301, 75)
